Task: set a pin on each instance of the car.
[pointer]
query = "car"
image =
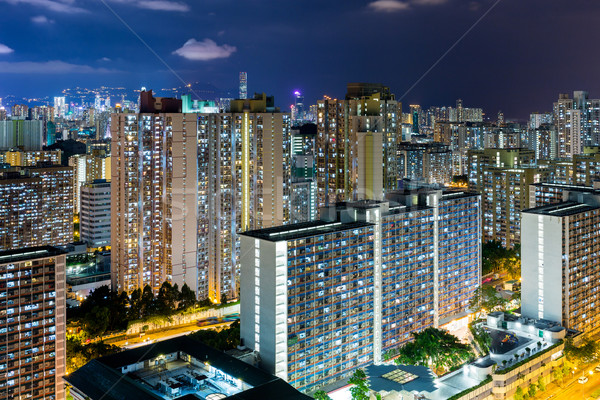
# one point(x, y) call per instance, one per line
point(597, 369)
point(582, 380)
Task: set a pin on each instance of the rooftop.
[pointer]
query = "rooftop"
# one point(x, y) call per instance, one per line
point(29, 253)
point(303, 229)
point(563, 209)
point(179, 368)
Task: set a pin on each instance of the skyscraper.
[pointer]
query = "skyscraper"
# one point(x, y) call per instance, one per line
point(36, 207)
point(560, 263)
point(154, 196)
point(369, 116)
point(244, 178)
point(33, 319)
point(322, 298)
point(299, 107)
point(185, 184)
point(243, 85)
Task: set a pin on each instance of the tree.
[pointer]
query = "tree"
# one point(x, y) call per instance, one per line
point(532, 390)
point(519, 394)
point(166, 299)
point(486, 297)
point(586, 353)
point(187, 297)
point(360, 390)
point(135, 301)
point(494, 257)
point(95, 323)
point(540, 384)
point(321, 395)
point(557, 374)
point(436, 348)
point(147, 301)
point(224, 298)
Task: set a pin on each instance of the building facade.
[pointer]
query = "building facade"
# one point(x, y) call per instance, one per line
point(369, 111)
point(202, 179)
point(36, 207)
point(560, 264)
point(95, 214)
point(33, 319)
point(322, 298)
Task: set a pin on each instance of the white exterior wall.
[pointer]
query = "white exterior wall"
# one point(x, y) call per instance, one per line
point(541, 266)
point(264, 301)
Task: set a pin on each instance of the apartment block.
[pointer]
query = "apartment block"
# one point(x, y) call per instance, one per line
point(36, 207)
point(560, 262)
point(368, 111)
point(33, 320)
point(503, 176)
point(154, 196)
point(322, 298)
point(95, 213)
point(429, 163)
point(203, 178)
point(18, 158)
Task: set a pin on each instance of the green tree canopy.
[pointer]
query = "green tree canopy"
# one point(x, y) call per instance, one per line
point(434, 348)
point(360, 388)
point(321, 395)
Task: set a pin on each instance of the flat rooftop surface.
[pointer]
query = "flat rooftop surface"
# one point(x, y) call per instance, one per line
point(304, 229)
point(563, 209)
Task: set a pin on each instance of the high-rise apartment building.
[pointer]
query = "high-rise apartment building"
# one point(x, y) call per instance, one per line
point(322, 298)
point(96, 164)
point(425, 162)
point(244, 176)
point(568, 121)
point(560, 264)
point(544, 141)
point(203, 178)
point(60, 107)
point(21, 134)
point(33, 320)
point(95, 213)
point(303, 193)
point(503, 176)
point(36, 207)
point(154, 196)
point(369, 116)
point(18, 158)
point(537, 119)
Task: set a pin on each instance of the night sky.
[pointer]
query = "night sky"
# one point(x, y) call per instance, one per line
point(519, 57)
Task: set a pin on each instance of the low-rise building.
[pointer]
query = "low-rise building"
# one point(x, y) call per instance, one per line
point(180, 368)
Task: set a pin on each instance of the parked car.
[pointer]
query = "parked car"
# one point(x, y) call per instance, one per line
point(582, 380)
point(597, 369)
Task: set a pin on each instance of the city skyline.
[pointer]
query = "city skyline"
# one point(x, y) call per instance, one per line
point(63, 44)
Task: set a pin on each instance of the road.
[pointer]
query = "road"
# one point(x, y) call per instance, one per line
point(574, 390)
point(136, 341)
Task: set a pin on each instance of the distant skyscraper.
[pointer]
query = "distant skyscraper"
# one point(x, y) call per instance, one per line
point(60, 107)
point(298, 106)
point(33, 319)
point(243, 85)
